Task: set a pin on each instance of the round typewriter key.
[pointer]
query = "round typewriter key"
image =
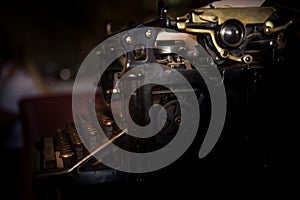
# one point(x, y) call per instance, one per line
point(77, 142)
point(66, 154)
point(67, 157)
point(108, 126)
point(78, 148)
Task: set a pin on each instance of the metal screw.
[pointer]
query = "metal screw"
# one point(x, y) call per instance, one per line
point(149, 33)
point(268, 30)
point(129, 40)
point(247, 59)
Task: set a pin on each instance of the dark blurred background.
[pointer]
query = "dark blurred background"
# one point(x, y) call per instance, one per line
point(59, 34)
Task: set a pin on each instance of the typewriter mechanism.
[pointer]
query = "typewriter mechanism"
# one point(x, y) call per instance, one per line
point(241, 42)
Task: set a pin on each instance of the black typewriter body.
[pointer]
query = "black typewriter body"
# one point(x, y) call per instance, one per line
point(244, 49)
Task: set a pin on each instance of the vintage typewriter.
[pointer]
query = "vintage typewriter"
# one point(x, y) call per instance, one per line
point(243, 43)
